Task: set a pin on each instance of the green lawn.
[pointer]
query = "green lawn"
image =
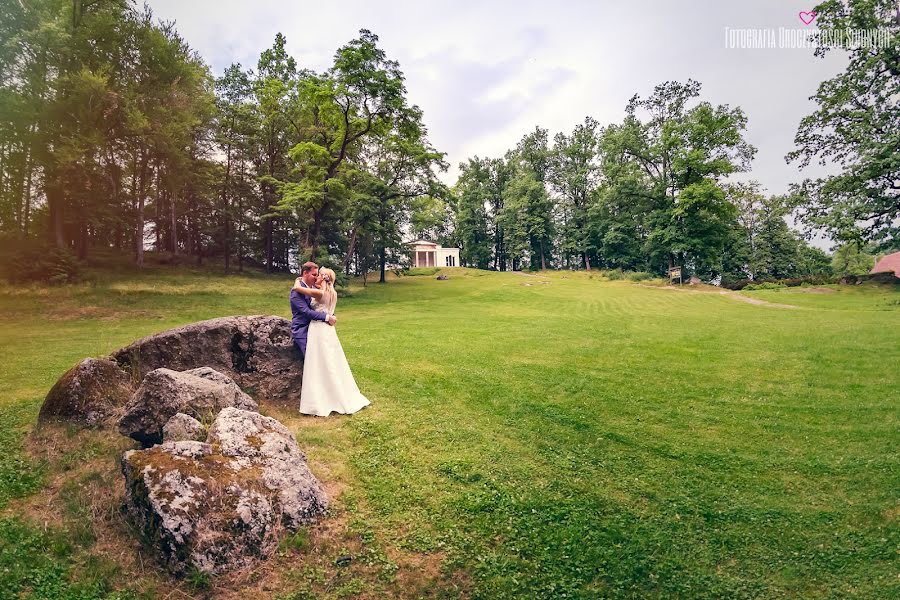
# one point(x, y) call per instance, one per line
point(549, 436)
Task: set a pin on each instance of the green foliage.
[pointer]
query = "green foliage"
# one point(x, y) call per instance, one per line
point(574, 173)
point(638, 276)
point(761, 246)
point(35, 262)
point(197, 579)
point(856, 126)
point(526, 218)
point(768, 285)
point(850, 259)
point(472, 194)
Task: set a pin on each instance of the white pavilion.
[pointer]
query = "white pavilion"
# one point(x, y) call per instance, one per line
point(429, 254)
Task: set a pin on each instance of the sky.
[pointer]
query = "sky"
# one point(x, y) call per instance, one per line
point(486, 73)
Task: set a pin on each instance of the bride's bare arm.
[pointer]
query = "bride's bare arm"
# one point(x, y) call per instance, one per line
point(315, 293)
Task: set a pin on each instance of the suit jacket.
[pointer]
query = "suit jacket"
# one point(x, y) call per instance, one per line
point(302, 312)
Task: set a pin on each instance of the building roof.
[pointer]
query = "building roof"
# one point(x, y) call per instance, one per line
point(420, 243)
point(888, 264)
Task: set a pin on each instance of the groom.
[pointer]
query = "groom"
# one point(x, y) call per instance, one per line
point(302, 309)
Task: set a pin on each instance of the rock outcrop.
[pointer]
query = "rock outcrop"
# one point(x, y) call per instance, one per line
point(199, 393)
point(256, 351)
point(88, 394)
point(219, 505)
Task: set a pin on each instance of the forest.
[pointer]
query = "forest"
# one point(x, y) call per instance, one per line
point(116, 136)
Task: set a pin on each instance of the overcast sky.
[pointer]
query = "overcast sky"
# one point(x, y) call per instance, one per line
point(485, 73)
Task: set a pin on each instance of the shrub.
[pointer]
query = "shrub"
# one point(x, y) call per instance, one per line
point(36, 262)
point(638, 276)
point(768, 285)
point(809, 280)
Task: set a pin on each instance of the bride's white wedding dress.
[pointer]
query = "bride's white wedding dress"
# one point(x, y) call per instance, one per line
point(328, 384)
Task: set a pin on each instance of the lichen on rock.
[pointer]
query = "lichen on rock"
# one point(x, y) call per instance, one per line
point(200, 393)
point(219, 505)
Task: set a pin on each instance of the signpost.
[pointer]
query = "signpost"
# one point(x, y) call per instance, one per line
point(675, 273)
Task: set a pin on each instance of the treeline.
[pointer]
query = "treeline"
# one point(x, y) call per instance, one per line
point(642, 195)
point(653, 190)
point(114, 134)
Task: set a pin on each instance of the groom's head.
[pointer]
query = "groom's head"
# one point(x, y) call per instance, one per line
point(308, 272)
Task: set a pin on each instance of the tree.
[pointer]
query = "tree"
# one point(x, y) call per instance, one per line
point(574, 174)
point(525, 218)
point(233, 92)
point(852, 259)
point(857, 127)
point(361, 96)
point(470, 225)
point(431, 218)
point(676, 150)
point(697, 228)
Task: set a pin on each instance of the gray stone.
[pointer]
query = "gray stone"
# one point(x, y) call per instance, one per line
point(220, 506)
point(182, 427)
point(251, 438)
point(200, 393)
point(256, 351)
point(88, 394)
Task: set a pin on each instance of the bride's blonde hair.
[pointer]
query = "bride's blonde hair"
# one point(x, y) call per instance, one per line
point(329, 295)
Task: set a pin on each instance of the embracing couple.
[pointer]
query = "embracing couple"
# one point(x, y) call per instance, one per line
point(328, 384)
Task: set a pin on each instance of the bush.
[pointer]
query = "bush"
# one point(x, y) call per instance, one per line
point(36, 262)
point(809, 280)
point(638, 276)
point(768, 285)
point(614, 274)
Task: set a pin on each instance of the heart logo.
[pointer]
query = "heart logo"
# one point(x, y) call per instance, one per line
point(807, 17)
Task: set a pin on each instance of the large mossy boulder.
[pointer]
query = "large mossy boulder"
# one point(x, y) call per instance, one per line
point(219, 505)
point(198, 393)
point(256, 351)
point(88, 394)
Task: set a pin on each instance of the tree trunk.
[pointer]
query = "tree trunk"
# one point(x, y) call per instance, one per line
point(139, 217)
point(54, 204)
point(240, 222)
point(226, 221)
point(587, 261)
point(349, 254)
point(173, 226)
point(81, 239)
point(29, 173)
point(267, 232)
point(157, 244)
point(543, 261)
point(383, 258)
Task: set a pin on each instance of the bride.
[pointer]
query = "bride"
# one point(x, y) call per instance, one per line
point(328, 384)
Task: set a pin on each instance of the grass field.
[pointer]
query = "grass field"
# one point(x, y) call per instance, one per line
point(550, 436)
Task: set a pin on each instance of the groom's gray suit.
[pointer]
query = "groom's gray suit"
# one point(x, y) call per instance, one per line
point(301, 309)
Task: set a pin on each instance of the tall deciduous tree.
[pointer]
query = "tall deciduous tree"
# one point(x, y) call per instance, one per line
point(856, 126)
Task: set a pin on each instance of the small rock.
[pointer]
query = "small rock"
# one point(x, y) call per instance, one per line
point(182, 427)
